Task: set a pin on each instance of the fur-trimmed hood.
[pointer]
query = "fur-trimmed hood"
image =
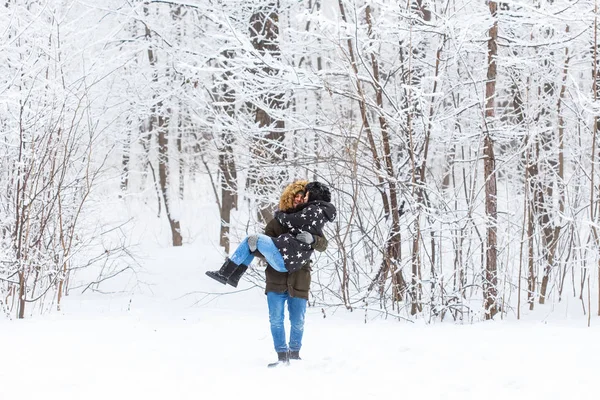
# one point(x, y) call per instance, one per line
point(286, 201)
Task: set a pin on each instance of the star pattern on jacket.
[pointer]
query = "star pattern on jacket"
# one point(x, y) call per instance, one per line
point(311, 218)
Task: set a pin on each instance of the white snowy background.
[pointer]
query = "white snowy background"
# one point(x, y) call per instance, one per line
point(182, 335)
point(121, 118)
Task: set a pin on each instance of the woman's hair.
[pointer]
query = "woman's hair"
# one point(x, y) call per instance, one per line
point(318, 191)
point(286, 201)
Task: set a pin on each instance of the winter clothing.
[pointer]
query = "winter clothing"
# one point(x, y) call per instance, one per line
point(294, 355)
point(234, 278)
point(296, 310)
point(266, 246)
point(237, 264)
point(294, 253)
point(318, 191)
point(297, 283)
point(293, 287)
point(223, 274)
point(305, 237)
point(283, 358)
point(310, 217)
point(284, 253)
point(291, 237)
point(252, 242)
point(286, 201)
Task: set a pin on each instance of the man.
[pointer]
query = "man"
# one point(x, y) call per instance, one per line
point(293, 288)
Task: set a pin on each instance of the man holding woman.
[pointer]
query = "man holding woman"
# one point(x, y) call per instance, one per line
point(289, 241)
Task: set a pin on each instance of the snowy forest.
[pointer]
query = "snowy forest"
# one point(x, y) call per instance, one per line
point(459, 138)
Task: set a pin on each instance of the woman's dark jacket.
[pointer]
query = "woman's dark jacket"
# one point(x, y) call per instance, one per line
point(297, 284)
point(309, 217)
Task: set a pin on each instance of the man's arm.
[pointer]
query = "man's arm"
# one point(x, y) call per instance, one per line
point(271, 228)
point(320, 243)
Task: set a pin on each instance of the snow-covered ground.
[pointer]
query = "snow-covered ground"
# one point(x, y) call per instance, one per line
point(173, 341)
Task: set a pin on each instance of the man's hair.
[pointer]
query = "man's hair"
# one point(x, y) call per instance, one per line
point(318, 191)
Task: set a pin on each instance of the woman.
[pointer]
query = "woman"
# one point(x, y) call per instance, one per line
point(290, 251)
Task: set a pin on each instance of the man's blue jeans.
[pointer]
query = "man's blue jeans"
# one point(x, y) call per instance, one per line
point(296, 310)
point(266, 247)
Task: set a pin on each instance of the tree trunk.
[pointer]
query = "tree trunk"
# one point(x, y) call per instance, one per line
point(162, 126)
point(365, 120)
point(228, 188)
point(551, 237)
point(146, 126)
point(490, 291)
point(163, 163)
point(392, 248)
point(530, 259)
point(268, 149)
point(227, 166)
point(22, 294)
point(180, 160)
point(393, 243)
point(126, 158)
point(596, 128)
point(183, 120)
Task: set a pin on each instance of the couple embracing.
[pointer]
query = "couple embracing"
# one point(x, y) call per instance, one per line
point(289, 240)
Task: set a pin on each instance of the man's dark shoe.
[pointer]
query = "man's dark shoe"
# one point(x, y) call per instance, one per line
point(237, 274)
point(283, 358)
point(295, 355)
point(224, 273)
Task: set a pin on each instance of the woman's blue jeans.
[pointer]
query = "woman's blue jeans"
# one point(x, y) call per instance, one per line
point(266, 247)
point(296, 310)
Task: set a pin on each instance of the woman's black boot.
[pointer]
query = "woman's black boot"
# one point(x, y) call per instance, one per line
point(224, 273)
point(237, 274)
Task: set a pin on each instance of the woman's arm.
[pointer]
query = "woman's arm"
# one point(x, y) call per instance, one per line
point(297, 219)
